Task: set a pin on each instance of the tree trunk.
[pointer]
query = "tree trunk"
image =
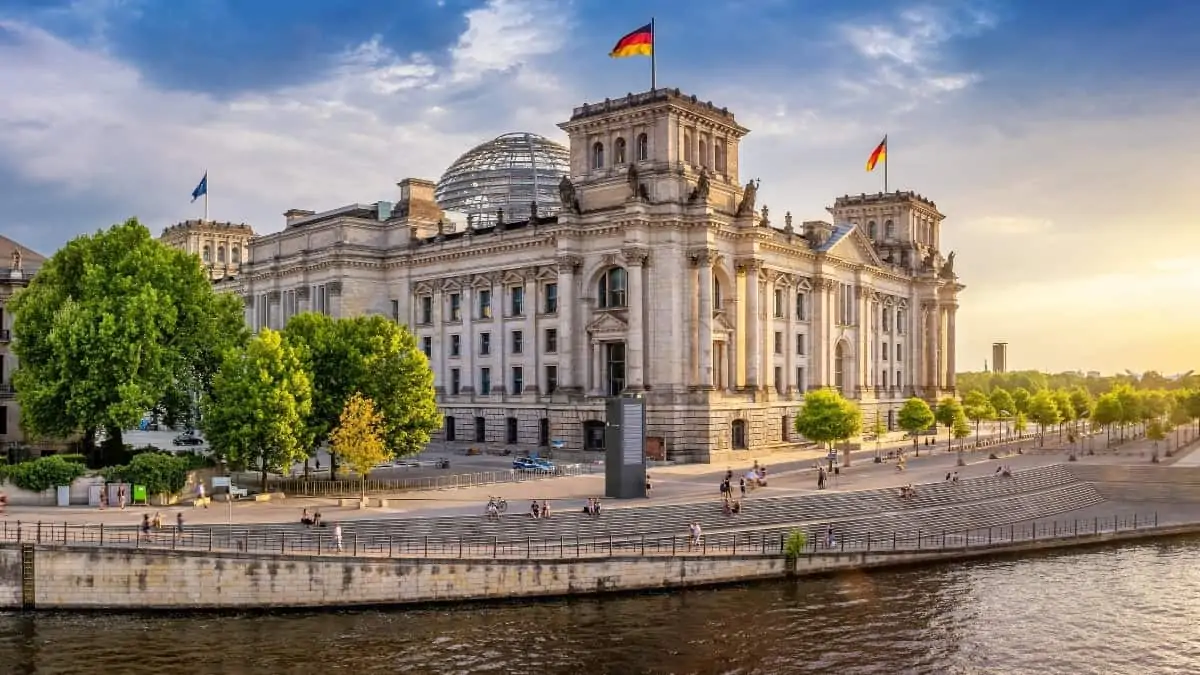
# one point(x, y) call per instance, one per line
point(916, 446)
point(846, 453)
point(263, 475)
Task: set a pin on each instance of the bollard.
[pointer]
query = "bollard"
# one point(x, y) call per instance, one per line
point(210, 539)
point(868, 541)
point(672, 546)
point(528, 548)
point(918, 540)
point(282, 543)
point(459, 545)
point(561, 545)
point(644, 546)
point(174, 538)
point(39, 532)
point(102, 534)
point(1135, 521)
point(610, 545)
point(354, 542)
point(893, 540)
point(495, 546)
point(64, 534)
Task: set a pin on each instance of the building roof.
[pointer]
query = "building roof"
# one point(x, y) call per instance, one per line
point(29, 257)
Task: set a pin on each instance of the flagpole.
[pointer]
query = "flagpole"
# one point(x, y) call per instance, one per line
point(653, 55)
point(206, 189)
point(885, 163)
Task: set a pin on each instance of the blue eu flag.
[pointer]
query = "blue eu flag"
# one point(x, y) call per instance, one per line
point(201, 189)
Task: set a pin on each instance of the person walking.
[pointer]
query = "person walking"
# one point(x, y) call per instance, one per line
point(121, 496)
point(337, 537)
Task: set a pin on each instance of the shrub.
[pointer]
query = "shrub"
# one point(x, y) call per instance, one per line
point(43, 473)
point(161, 473)
point(793, 546)
point(74, 457)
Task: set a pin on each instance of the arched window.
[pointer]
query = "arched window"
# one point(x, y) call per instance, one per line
point(207, 255)
point(839, 374)
point(716, 293)
point(611, 289)
point(619, 151)
point(221, 255)
point(688, 151)
point(598, 155)
point(737, 432)
point(889, 229)
point(643, 147)
point(235, 255)
point(719, 156)
point(871, 232)
point(703, 153)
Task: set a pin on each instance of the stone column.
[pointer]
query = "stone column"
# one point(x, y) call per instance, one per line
point(531, 349)
point(437, 359)
point(929, 340)
point(768, 337)
point(597, 387)
point(753, 324)
point(469, 343)
point(789, 342)
point(692, 367)
point(704, 338)
point(569, 380)
point(731, 346)
point(951, 313)
point(635, 345)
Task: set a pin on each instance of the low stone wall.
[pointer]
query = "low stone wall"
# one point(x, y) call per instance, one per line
point(75, 577)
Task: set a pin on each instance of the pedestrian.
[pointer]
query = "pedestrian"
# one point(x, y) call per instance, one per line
point(337, 537)
point(121, 496)
point(103, 497)
point(200, 496)
point(742, 485)
point(146, 525)
point(648, 486)
point(179, 521)
point(697, 533)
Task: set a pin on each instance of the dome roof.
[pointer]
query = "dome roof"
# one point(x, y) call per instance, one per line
point(508, 172)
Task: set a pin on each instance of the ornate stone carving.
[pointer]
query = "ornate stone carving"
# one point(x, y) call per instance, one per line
point(744, 265)
point(765, 221)
point(929, 261)
point(334, 288)
point(948, 268)
point(635, 257)
point(824, 283)
point(635, 185)
point(787, 223)
point(749, 195)
point(567, 195)
point(16, 259)
point(700, 192)
point(703, 256)
point(610, 259)
point(567, 264)
point(928, 305)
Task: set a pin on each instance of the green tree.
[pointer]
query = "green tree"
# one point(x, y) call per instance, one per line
point(978, 407)
point(43, 473)
point(1192, 405)
point(376, 357)
point(1131, 406)
point(948, 410)
point(960, 429)
point(1002, 402)
point(1156, 431)
point(1082, 403)
point(113, 325)
point(915, 416)
point(1020, 397)
point(1066, 409)
point(1044, 412)
point(826, 417)
point(1179, 415)
point(1020, 424)
point(1106, 413)
point(161, 473)
point(358, 438)
point(255, 412)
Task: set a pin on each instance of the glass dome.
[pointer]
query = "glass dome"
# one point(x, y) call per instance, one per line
point(508, 172)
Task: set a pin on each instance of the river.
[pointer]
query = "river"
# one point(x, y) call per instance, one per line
point(1130, 610)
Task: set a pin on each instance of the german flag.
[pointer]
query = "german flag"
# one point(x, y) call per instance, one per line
point(879, 153)
point(638, 43)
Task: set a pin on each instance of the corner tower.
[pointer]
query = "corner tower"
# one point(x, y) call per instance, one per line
point(905, 227)
point(654, 146)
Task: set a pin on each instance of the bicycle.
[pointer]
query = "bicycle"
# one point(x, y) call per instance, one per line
point(498, 502)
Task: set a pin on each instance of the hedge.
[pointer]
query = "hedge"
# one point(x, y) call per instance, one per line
point(43, 473)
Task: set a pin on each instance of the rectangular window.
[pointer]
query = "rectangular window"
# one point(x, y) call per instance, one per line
point(800, 344)
point(455, 381)
point(396, 313)
point(801, 306)
point(485, 381)
point(485, 303)
point(455, 345)
point(427, 346)
point(510, 430)
point(544, 432)
point(900, 321)
point(426, 309)
point(551, 340)
point(801, 383)
point(518, 342)
point(551, 379)
point(480, 429)
point(899, 352)
point(551, 299)
point(780, 385)
point(518, 379)
point(886, 351)
point(456, 307)
point(3, 420)
point(898, 381)
point(778, 342)
point(516, 298)
point(884, 382)
point(485, 344)
point(887, 320)
point(451, 431)
point(778, 304)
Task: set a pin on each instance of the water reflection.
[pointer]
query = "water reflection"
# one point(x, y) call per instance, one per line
point(1115, 610)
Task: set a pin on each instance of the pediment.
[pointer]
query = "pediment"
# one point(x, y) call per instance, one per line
point(423, 288)
point(512, 278)
point(547, 274)
point(855, 247)
point(451, 284)
point(607, 323)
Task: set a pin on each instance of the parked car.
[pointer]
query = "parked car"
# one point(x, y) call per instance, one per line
point(545, 465)
point(188, 438)
point(524, 464)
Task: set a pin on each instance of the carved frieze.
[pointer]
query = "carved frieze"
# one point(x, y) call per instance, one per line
point(567, 264)
point(635, 257)
point(705, 257)
point(746, 265)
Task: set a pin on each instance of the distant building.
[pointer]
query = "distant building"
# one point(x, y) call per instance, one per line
point(999, 357)
point(22, 264)
point(222, 247)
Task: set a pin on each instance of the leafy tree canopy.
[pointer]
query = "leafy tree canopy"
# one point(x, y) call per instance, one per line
point(113, 325)
point(358, 438)
point(915, 416)
point(827, 417)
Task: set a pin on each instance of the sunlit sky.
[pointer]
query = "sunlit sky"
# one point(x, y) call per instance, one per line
point(1058, 138)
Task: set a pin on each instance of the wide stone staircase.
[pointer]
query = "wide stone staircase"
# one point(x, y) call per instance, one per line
point(1141, 483)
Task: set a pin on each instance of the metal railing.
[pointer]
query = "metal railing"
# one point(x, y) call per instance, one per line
point(353, 488)
point(323, 541)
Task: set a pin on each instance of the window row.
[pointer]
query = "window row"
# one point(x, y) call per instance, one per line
point(512, 428)
point(516, 343)
point(516, 381)
point(886, 349)
point(889, 230)
point(620, 152)
point(515, 296)
point(897, 381)
point(235, 254)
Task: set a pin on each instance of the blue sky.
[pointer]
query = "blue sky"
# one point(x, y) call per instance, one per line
point(1058, 137)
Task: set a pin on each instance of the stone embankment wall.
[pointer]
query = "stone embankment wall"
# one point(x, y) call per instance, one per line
point(76, 577)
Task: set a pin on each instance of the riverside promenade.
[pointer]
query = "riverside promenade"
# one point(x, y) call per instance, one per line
point(427, 553)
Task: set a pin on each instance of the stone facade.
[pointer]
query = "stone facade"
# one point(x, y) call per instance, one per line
point(661, 276)
point(22, 263)
point(222, 247)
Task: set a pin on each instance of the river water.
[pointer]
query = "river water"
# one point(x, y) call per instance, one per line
point(1128, 610)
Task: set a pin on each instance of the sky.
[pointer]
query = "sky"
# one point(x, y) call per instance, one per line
point(1058, 138)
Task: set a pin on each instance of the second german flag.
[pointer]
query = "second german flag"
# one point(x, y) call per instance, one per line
point(638, 43)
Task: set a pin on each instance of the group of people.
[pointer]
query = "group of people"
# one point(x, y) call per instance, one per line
point(593, 507)
point(695, 534)
point(731, 505)
point(311, 519)
point(951, 476)
point(156, 524)
point(539, 510)
point(1003, 471)
point(907, 491)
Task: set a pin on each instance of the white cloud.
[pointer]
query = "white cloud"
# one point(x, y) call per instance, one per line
point(95, 125)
